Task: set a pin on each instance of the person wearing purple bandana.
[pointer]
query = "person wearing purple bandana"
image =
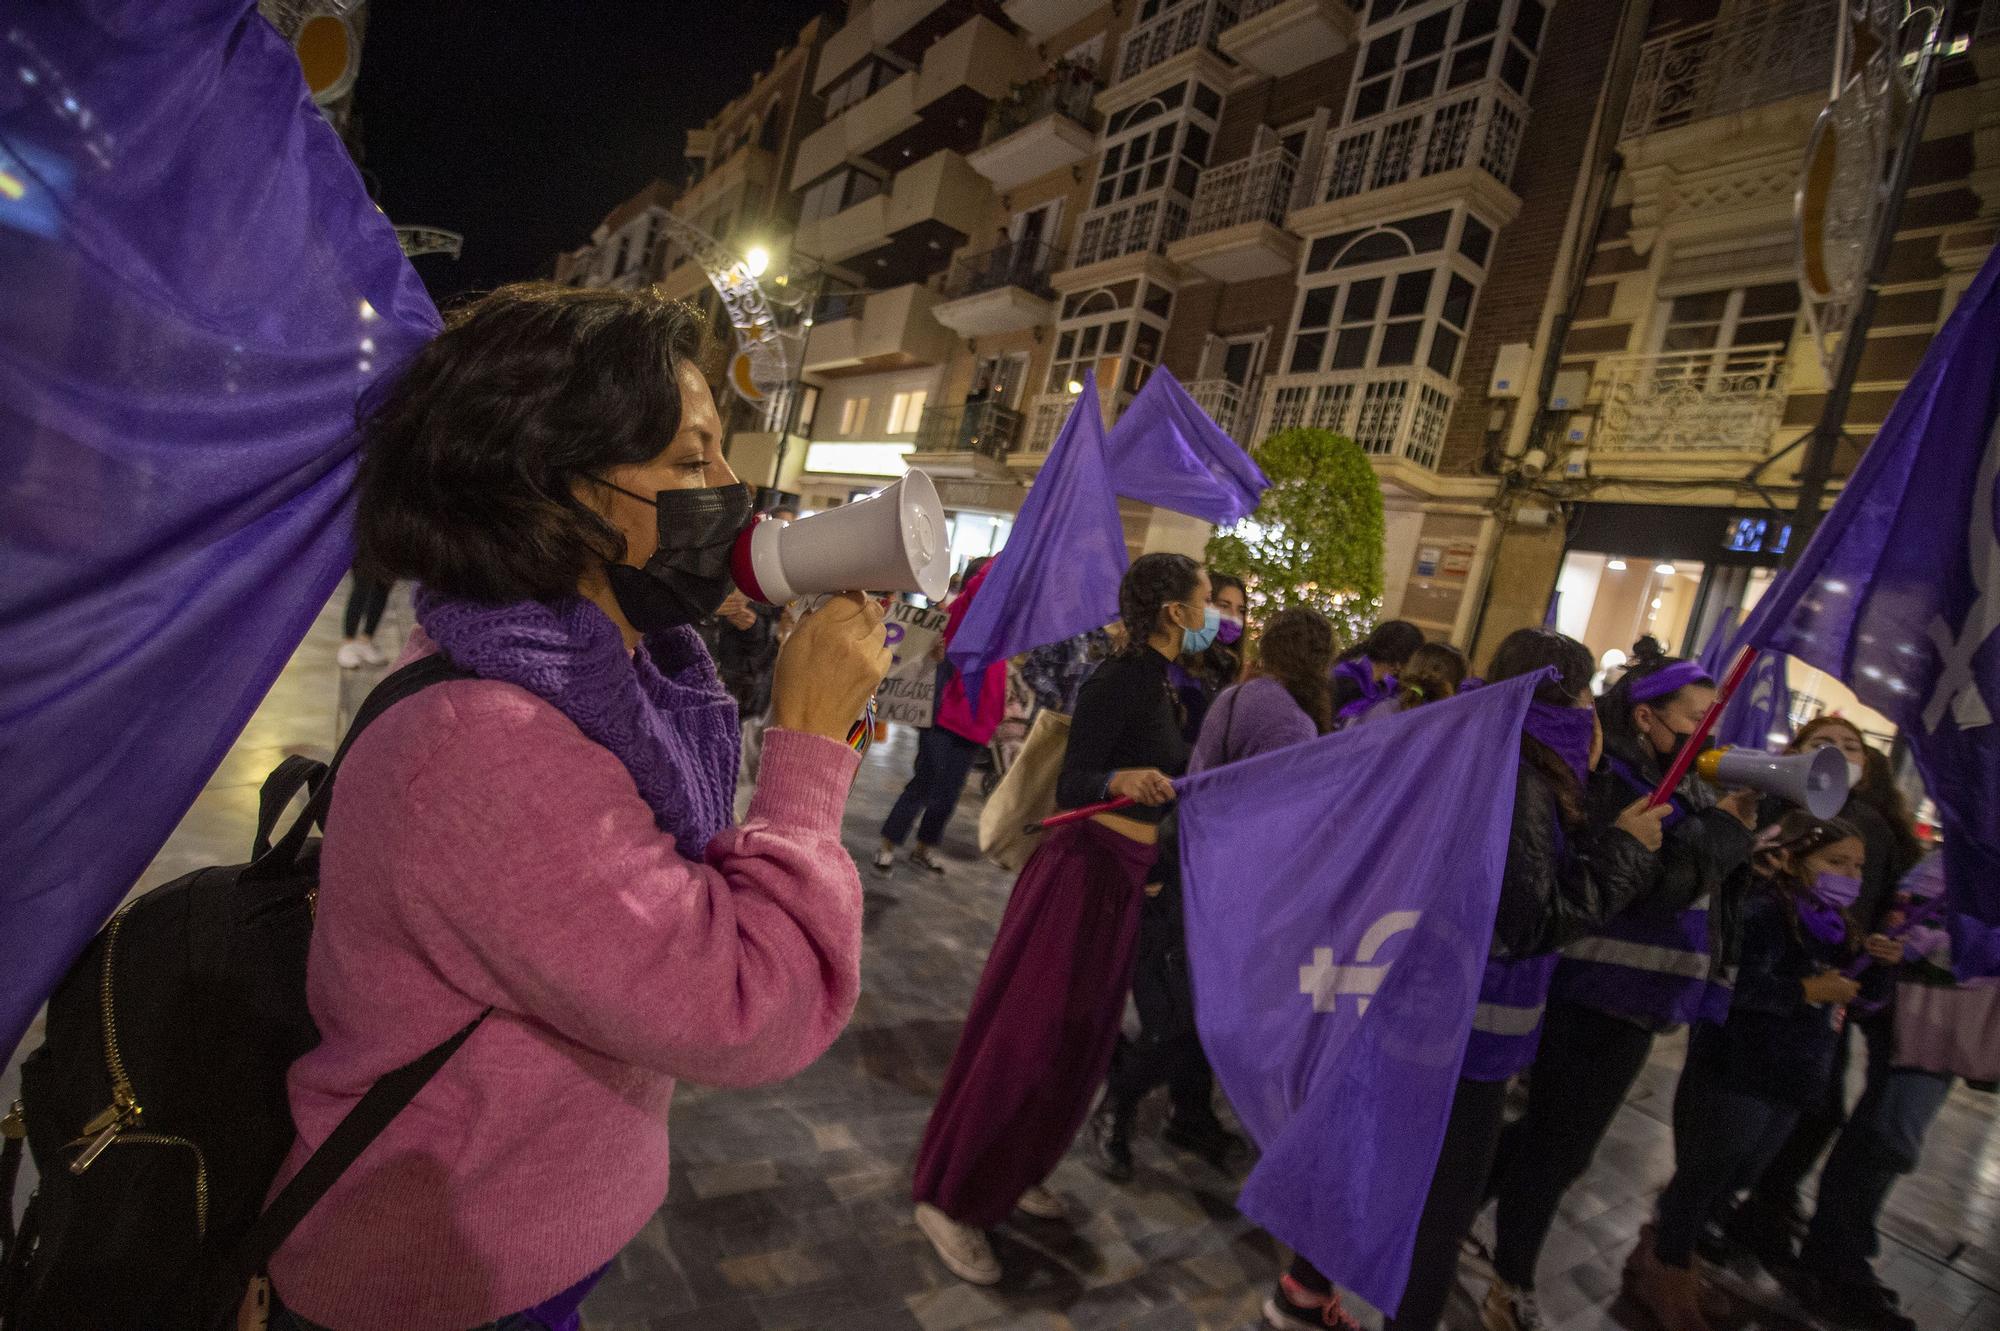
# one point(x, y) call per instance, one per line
point(1563, 878)
point(1748, 1078)
point(1659, 965)
point(1365, 673)
point(548, 838)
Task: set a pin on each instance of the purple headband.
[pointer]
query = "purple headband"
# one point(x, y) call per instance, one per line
point(1669, 679)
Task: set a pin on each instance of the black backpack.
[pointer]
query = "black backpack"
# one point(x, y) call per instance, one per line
point(155, 1107)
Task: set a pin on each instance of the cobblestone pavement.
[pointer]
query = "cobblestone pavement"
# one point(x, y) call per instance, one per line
point(789, 1205)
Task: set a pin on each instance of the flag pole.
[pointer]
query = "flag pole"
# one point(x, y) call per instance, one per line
point(1738, 668)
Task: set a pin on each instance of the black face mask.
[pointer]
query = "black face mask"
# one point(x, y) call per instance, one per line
point(688, 576)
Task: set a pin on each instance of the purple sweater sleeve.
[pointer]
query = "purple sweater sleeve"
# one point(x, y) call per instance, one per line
point(1252, 718)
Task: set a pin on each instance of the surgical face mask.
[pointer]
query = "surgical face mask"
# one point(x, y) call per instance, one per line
point(1836, 889)
point(1855, 772)
point(688, 575)
point(1198, 640)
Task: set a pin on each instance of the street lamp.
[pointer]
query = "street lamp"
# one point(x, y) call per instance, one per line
point(757, 260)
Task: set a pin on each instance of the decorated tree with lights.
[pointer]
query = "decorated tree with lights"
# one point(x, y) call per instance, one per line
point(1317, 537)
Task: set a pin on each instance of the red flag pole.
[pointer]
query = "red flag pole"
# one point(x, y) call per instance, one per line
point(1087, 811)
point(1731, 680)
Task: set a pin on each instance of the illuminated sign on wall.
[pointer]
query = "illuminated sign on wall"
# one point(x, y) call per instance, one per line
point(859, 459)
point(1754, 536)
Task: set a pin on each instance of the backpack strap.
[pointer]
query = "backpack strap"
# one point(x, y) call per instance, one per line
point(412, 679)
point(389, 1096)
point(296, 773)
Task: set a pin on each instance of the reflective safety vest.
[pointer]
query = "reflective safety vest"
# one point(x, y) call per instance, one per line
point(1507, 1024)
point(1656, 970)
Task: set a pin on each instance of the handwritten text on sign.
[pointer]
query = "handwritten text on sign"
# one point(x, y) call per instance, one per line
point(908, 694)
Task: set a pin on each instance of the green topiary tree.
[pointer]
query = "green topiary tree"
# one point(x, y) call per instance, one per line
point(1317, 538)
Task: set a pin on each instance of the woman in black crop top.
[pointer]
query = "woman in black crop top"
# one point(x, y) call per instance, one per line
point(1038, 1038)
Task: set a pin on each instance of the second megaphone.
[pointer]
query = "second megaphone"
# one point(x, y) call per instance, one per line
point(1816, 780)
point(892, 541)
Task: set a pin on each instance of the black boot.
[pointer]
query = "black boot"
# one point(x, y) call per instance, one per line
point(1108, 1138)
point(1207, 1139)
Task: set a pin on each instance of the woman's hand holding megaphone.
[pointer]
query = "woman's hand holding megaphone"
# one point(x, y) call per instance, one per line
point(830, 667)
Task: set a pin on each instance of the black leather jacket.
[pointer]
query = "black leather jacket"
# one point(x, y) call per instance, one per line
point(1561, 883)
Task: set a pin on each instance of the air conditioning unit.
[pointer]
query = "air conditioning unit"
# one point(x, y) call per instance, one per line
point(1510, 370)
point(1569, 390)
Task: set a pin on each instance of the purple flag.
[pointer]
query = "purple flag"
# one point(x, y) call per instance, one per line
point(198, 290)
point(1166, 451)
point(1717, 652)
point(1058, 574)
point(1340, 898)
point(1554, 612)
point(1899, 592)
point(1761, 711)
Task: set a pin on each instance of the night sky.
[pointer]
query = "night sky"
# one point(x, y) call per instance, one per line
point(522, 131)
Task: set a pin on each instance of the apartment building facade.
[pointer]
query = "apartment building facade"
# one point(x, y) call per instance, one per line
point(1535, 256)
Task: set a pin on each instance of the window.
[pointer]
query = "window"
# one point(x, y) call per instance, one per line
point(1707, 335)
point(836, 193)
point(1444, 49)
point(1424, 234)
point(772, 135)
point(905, 410)
point(860, 85)
point(1146, 148)
point(1417, 316)
point(1079, 349)
point(853, 415)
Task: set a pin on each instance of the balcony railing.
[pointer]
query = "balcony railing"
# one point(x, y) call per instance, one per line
point(1480, 127)
point(1725, 401)
point(1146, 224)
point(1764, 53)
point(1023, 263)
point(1255, 189)
point(1398, 413)
point(985, 428)
point(1068, 91)
point(1223, 400)
point(1189, 24)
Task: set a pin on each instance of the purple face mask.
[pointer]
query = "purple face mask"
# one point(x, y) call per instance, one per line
point(1838, 890)
point(1230, 633)
point(1822, 921)
point(1567, 730)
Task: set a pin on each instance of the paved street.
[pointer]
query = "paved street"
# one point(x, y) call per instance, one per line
point(789, 1206)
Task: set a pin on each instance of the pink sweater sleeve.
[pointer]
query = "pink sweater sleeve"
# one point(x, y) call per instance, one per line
point(550, 892)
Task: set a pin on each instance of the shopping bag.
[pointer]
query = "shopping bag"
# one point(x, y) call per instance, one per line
point(1950, 1028)
point(1027, 794)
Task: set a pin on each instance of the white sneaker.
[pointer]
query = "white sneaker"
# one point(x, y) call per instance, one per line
point(1042, 1203)
point(349, 656)
point(885, 861)
point(962, 1248)
point(373, 655)
point(1510, 1309)
point(927, 859)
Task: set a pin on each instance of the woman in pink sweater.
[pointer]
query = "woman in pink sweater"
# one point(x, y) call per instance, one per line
point(553, 839)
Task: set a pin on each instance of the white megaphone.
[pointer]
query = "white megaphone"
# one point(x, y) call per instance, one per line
point(892, 541)
point(1816, 780)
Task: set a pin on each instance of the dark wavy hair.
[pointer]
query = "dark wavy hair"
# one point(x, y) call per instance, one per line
point(471, 458)
point(1297, 651)
point(1523, 652)
point(1153, 583)
point(1614, 709)
point(1389, 643)
point(1432, 674)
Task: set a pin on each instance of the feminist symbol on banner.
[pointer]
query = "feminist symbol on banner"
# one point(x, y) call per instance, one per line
point(1325, 981)
point(1957, 686)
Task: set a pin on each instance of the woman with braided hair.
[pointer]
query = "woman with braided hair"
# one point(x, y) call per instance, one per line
point(1039, 1035)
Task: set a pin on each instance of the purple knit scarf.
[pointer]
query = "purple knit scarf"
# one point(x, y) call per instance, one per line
point(662, 711)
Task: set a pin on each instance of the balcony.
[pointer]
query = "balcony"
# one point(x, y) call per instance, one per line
point(1236, 231)
point(1477, 130)
point(971, 440)
point(940, 190)
point(881, 330)
point(1041, 19)
point(1038, 128)
point(1764, 53)
point(1225, 401)
point(1146, 225)
point(959, 74)
point(1183, 27)
point(1280, 37)
point(1004, 290)
point(1391, 413)
point(1713, 405)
